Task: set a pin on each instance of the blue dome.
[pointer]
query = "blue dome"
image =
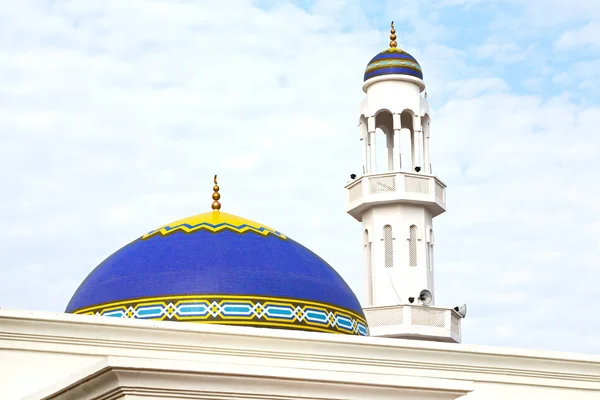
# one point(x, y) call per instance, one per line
point(393, 61)
point(221, 269)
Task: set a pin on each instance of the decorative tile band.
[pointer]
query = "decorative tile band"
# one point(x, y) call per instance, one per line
point(187, 228)
point(214, 222)
point(393, 63)
point(256, 311)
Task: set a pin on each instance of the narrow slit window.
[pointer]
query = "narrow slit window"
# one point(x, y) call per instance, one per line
point(388, 247)
point(412, 246)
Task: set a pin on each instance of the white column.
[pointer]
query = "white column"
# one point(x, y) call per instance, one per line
point(397, 151)
point(365, 151)
point(372, 144)
point(413, 149)
point(373, 162)
point(418, 148)
point(426, 162)
point(389, 138)
point(397, 125)
point(370, 277)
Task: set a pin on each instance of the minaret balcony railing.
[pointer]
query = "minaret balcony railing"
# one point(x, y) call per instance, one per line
point(414, 322)
point(395, 187)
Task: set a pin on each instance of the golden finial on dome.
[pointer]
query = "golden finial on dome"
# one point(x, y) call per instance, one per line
point(216, 206)
point(393, 43)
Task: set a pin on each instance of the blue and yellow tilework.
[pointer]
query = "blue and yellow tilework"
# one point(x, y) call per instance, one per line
point(220, 268)
point(393, 61)
point(214, 222)
point(239, 310)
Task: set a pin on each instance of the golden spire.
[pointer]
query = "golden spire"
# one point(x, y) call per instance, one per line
point(393, 43)
point(216, 206)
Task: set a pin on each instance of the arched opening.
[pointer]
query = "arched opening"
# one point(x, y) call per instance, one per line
point(385, 141)
point(412, 246)
point(381, 150)
point(405, 152)
point(407, 141)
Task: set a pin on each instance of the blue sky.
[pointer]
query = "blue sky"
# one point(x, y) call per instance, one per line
point(115, 114)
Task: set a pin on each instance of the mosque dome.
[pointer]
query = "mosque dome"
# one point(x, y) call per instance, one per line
point(221, 269)
point(393, 61)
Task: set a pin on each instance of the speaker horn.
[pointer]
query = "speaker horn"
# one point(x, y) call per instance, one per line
point(461, 310)
point(425, 297)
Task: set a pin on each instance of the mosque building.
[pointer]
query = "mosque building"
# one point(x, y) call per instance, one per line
point(217, 306)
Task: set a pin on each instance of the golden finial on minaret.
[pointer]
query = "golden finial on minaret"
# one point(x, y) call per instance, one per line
point(216, 206)
point(393, 43)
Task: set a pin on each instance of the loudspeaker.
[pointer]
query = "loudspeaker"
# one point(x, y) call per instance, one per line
point(425, 297)
point(462, 310)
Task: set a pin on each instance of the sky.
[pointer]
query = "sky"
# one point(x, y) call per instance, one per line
point(115, 114)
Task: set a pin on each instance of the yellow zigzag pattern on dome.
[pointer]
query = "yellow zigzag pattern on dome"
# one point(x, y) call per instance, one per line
point(214, 222)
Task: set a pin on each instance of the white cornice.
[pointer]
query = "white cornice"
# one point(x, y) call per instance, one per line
point(55, 332)
point(393, 77)
point(184, 379)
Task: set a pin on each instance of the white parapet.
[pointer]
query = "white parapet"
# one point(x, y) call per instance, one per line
point(394, 187)
point(414, 322)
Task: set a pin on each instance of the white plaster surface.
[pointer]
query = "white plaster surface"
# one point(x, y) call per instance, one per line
point(61, 356)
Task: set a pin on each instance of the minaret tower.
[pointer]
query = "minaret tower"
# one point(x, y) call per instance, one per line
point(396, 198)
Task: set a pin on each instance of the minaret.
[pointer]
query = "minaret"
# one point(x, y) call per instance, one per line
point(396, 198)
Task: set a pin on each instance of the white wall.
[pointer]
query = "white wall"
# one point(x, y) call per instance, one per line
point(25, 371)
point(393, 95)
point(37, 348)
point(395, 285)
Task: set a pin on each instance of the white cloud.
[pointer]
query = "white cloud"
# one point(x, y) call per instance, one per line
point(523, 209)
point(582, 75)
point(587, 35)
point(115, 114)
point(532, 15)
point(468, 88)
point(504, 52)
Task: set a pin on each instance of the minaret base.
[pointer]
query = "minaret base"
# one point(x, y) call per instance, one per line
point(416, 322)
